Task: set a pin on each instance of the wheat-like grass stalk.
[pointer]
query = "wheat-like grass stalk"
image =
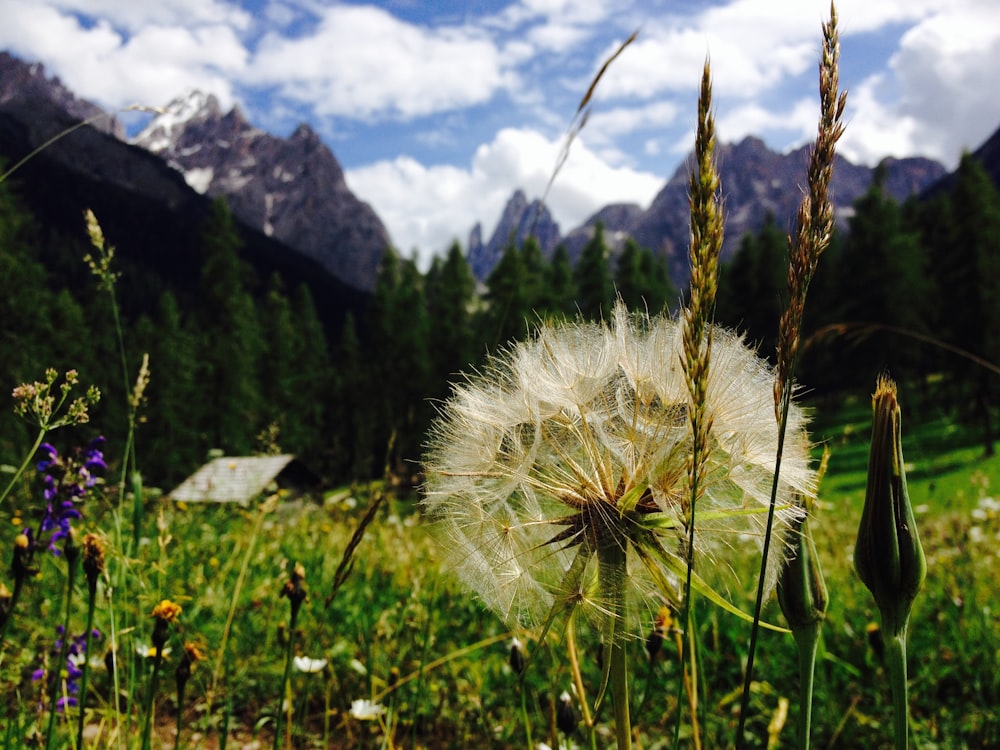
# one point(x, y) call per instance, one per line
point(815, 223)
point(706, 244)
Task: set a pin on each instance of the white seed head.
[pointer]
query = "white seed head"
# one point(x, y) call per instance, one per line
point(582, 433)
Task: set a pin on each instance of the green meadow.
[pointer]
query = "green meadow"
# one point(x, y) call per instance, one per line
point(404, 634)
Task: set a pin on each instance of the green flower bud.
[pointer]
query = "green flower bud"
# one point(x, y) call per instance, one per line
point(888, 555)
point(802, 591)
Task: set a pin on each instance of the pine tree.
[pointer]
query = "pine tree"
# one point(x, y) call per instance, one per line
point(355, 409)
point(968, 266)
point(533, 261)
point(313, 380)
point(506, 314)
point(752, 286)
point(174, 398)
point(642, 280)
point(450, 294)
point(231, 340)
point(559, 298)
point(279, 367)
point(400, 357)
point(883, 281)
point(595, 289)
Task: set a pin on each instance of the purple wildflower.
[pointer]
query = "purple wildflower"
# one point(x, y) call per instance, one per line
point(76, 655)
point(65, 482)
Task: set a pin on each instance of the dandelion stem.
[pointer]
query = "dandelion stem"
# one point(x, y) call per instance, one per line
point(151, 696)
point(613, 575)
point(807, 642)
point(523, 690)
point(574, 665)
point(9, 613)
point(895, 659)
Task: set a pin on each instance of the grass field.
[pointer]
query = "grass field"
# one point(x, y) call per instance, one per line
point(403, 633)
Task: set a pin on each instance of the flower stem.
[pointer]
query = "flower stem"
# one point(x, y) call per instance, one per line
point(28, 458)
point(807, 642)
point(285, 681)
point(91, 601)
point(56, 669)
point(895, 659)
point(9, 613)
point(150, 697)
point(619, 694)
point(613, 575)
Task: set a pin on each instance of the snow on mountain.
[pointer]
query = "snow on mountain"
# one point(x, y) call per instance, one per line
point(290, 188)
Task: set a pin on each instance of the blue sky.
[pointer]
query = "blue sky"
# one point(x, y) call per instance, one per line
point(438, 111)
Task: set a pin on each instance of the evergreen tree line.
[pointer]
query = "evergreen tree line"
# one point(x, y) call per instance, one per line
point(910, 289)
point(245, 365)
point(251, 368)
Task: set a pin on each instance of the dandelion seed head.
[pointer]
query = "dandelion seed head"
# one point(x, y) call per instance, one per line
point(580, 437)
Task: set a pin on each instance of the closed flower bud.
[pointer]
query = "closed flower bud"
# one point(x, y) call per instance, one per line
point(517, 660)
point(802, 591)
point(888, 555)
point(565, 714)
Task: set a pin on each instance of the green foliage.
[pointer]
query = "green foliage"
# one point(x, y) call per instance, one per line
point(559, 298)
point(753, 286)
point(230, 341)
point(595, 288)
point(400, 358)
point(642, 280)
point(451, 292)
point(507, 300)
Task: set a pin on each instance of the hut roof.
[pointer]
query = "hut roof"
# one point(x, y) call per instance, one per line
point(239, 479)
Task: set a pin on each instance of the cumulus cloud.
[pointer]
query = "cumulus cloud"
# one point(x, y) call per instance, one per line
point(794, 124)
point(138, 15)
point(427, 207)
point(364, 63)
point(752, 44)
point(98, 62)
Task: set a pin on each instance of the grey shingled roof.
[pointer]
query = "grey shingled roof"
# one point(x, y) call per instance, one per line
point(233, 479)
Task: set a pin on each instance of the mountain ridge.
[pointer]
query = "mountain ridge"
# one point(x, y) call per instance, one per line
point(756, 182)
point(290, 188)
point(146, 208)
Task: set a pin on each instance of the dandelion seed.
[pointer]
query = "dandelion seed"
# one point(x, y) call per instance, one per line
point(575, 444)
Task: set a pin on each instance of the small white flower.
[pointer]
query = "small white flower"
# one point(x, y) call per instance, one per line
point(149, 652)
point(366, 710)
point(308, 665)
point(358, 667)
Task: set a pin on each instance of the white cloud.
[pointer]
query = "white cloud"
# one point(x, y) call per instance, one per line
point(427, 207)
point(943, 73)
point(150, 67)
point(753, 45)
point(796, 124)
point(364, 63)
point(134, 16)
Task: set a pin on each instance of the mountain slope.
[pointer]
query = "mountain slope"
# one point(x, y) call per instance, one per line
point(291, 189)
point(756, 182)
point(518, 220)
point(147, 210)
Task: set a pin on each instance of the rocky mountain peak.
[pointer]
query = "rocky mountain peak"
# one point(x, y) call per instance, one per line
point(25, 82)
point(519, 220)
point(292, 189)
